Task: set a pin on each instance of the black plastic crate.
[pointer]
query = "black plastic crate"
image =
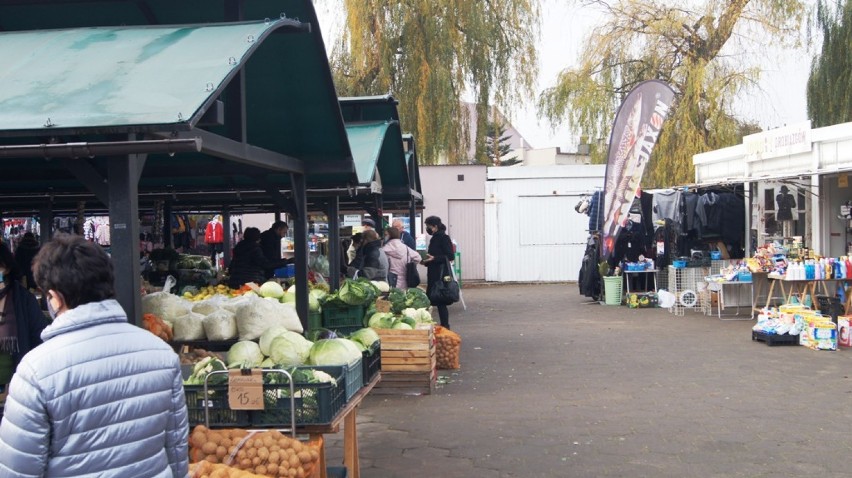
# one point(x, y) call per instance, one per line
point(221, 415)
point(774, 339)
point(353, 378)
point(316, 403)
point(830, 306)
point(314, 320)
point(371, 362)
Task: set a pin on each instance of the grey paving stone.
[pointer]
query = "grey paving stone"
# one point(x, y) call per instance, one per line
point(641, 392)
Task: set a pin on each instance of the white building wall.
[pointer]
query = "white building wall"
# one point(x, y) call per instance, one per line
point(445, 184)
point(533, 232)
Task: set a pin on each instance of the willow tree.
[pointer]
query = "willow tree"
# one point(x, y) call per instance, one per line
point(699, 48)
point(429, 54)
point(830, 81)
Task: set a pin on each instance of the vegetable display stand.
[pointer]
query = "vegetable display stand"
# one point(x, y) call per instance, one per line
point(408, 361)
point(348, 418)
point(314, 403)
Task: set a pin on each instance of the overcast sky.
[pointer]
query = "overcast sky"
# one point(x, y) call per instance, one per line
point(780, 99)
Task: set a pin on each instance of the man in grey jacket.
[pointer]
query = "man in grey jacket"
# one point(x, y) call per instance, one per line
point(100, 397)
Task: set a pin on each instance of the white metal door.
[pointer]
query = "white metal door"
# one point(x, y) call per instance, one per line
point(466, 226)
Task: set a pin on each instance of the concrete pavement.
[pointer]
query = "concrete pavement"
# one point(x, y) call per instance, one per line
point(553, 387)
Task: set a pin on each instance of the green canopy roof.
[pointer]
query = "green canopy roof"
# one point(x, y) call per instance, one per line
point(397, 162)
point(368, 142)
point(118, 76)
point(369, 108)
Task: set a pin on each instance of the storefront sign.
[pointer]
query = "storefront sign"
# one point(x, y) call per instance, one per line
point(775, 143)
point(351, 220)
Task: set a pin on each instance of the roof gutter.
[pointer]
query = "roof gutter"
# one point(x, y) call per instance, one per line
point(107, 148)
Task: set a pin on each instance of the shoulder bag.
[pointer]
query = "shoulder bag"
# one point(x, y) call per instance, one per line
point(445, 290)
point(412, 276)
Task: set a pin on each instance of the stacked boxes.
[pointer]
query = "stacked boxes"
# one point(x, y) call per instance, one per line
point(817, 332)
point(408, 361)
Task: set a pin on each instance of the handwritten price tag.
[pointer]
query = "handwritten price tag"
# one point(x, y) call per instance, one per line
point(245, 390)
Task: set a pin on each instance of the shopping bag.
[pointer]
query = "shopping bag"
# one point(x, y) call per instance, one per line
point(412, 275)
point(445, 290)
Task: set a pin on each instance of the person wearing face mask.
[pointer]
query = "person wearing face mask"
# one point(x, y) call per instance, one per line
point(439, 252)
point(100, 397)
point(21, 318)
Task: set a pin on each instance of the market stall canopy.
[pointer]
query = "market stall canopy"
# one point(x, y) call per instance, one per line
point(396, 160)
point(376, 146)
point(88, 85)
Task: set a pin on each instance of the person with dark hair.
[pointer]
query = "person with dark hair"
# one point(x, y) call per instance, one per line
point(248, 263)
point(100, 397)
point(24, 254)
point(21, 318)
point(439, 254)
point(370, 262)
point(270, 244)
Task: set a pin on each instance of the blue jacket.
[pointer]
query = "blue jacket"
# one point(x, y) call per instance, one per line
point(99, 397)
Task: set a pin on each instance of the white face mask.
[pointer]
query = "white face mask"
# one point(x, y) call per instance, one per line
point(51, 310)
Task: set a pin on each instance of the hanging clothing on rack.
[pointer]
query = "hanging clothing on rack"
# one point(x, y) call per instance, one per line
point(589, 280)
point(595, 211)
point(667, 205)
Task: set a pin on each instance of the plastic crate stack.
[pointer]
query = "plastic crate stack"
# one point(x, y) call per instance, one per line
point(686, 285)
point(717, 265)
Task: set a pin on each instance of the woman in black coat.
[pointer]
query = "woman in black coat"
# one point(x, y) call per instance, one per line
point(439, 253)
point(249, 264)
point(21, 318)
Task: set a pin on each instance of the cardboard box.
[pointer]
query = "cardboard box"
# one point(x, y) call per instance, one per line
point(817, 332)
point(844, 332)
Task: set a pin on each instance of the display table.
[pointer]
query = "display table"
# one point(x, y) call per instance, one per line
point(653, 276)
point(348, 418)
point(719, 288)
point(789, 288)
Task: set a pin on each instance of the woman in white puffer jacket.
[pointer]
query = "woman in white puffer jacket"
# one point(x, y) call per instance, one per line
point(100, 397)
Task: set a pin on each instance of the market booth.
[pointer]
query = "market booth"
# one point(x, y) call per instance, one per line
point(795, 181)
point(117, 118)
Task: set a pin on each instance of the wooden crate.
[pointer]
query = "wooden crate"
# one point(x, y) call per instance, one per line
point(406, 383)
point(408, 361)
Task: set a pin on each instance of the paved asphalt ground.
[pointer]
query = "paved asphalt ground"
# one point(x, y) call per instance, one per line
point(551, 386)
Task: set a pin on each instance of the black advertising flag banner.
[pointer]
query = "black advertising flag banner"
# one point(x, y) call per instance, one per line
point(634, 133)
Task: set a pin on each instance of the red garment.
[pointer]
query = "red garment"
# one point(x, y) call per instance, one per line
point(214, 233)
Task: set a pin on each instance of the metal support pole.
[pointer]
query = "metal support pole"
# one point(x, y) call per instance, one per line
point(45, 219)
point(334, 254)
point(124, 233)
point(226, 239)
point(167, 225)
point(412, 216)
point(300, 239)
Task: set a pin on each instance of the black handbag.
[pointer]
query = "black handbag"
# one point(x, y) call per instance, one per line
point(412, 275)
point(445, 290)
